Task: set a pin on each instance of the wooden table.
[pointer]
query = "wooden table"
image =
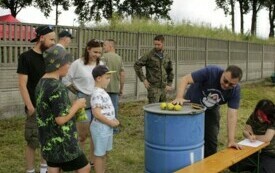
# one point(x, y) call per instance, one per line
point(221, 160)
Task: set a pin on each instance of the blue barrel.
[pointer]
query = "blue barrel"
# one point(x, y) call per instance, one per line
point(173, 139)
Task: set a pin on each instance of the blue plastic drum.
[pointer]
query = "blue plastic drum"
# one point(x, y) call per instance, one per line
point(173, 139)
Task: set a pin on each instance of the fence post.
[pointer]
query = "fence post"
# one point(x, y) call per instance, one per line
point(206, 52)
point(80, 40)
point(262, 63)
point(229, 53)
point(138, 55)
point(247, 60)
point(177, 62)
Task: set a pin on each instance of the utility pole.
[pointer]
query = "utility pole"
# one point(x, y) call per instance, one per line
point(56, 13)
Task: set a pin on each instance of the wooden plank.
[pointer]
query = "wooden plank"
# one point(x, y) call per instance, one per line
point(221, 160)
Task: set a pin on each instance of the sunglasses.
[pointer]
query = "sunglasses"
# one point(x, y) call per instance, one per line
point(226, 81)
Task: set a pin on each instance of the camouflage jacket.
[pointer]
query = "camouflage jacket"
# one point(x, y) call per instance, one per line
point(159, 69)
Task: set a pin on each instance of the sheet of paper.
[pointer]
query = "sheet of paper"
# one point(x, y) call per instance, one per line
point(247, 142)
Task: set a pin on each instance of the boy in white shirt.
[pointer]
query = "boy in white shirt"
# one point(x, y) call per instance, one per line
point(104, 117)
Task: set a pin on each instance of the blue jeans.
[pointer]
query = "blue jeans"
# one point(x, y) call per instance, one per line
point(114, 98)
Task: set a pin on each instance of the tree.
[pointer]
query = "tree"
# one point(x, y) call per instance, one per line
point(270, 5)
point(244, 9)
point(46, 6)
point(95, 9)
point(146, 8)
point(256, 5)
point(228, 7)
point(15, 6)
point(159, 9)
point(99, 9)
point(134, 8)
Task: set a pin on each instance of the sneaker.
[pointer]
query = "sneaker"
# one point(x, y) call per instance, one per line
point(92, 164)
point(116, 130)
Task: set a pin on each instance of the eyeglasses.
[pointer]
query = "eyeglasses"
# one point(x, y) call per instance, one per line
point(226, 81)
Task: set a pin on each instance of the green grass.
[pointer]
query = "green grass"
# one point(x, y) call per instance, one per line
point(184, 28)
point(128, 153)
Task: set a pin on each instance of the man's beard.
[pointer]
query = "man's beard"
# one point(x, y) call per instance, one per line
point(43, 47)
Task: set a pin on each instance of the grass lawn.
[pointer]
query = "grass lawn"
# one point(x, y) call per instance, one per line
point(128, 153)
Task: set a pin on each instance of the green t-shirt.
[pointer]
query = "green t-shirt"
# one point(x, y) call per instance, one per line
point(58, 143)
point(260, 129)
point(114, 62)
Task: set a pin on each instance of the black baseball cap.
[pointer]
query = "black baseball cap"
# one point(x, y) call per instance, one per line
point(42, 30)
point(65, 33)
point(100, 70)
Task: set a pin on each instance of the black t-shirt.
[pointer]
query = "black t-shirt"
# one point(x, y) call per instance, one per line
point(32, 64)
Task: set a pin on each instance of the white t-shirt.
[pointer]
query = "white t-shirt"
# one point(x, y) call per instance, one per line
point(100, 98)
point(80, 76)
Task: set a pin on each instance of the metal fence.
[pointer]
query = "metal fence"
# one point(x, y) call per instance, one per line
point(189, 54)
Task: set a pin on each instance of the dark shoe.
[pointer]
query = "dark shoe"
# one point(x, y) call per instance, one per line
point(116, 130)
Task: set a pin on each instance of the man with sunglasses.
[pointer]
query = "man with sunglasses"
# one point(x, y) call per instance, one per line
point(212, 86)
point(30, 69)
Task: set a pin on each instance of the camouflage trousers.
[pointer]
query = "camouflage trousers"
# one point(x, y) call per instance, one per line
point(156, 95)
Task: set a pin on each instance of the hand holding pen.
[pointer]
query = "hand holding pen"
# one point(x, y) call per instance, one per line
point(251, 136)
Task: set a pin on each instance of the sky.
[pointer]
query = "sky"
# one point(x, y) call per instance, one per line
point(196, 11)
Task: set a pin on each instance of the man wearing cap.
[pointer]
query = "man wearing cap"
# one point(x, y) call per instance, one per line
point(65, 38)
point(30, 69)
point(55, 116)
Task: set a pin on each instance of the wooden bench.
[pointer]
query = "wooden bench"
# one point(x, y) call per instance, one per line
point(222, 160)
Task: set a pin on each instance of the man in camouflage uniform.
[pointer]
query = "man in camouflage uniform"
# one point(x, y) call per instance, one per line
point(159, 71)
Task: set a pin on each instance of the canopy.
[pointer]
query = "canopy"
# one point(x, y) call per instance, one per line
point(14, 30)
point(8, 18)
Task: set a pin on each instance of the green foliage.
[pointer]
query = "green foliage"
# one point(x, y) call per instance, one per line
point(15, 6)
point(149, 9)
point(46, 5)
point(223, 4)
point(128, 152)
point(99, 9)
point(185, 28)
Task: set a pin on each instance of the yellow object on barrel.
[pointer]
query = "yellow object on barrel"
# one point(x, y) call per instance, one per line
point(170, 106)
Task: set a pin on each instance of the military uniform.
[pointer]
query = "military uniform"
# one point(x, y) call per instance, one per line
point(159, 73)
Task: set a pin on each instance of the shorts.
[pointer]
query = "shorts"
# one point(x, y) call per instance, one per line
point(72, 165)
point(31, 132)
point(102, 136)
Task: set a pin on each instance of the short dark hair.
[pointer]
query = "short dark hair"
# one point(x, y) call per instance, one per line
point(236, 72)
point(159, 38)
point(113, 42)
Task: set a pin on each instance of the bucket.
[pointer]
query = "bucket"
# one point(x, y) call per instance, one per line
point(173, 139)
